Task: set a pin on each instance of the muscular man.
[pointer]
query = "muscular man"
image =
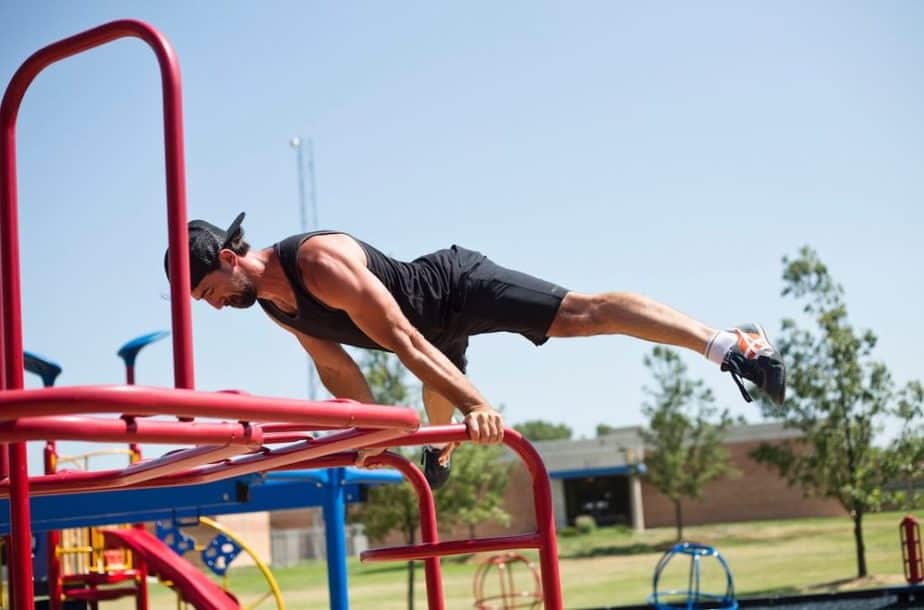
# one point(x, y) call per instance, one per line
point(330, 289)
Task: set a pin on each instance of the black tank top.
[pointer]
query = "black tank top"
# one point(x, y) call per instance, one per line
point(425, 290)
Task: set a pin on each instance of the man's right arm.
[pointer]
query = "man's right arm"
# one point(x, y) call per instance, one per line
point(338, 371)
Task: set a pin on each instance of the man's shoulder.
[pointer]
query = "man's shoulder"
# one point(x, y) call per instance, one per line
point(316, 248)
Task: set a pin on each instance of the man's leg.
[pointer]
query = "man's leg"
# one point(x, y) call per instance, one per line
point(744, 351)
point(436, 459)
point(624, 313)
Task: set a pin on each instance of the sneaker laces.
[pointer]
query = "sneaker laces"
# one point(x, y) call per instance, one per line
point(732, 369)
point(740, 384)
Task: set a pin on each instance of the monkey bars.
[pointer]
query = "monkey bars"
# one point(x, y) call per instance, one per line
point(245, 444)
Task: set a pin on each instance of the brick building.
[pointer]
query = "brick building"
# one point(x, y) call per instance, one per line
point(604, 478)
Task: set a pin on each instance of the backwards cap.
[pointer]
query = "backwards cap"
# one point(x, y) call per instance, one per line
point(205, 242)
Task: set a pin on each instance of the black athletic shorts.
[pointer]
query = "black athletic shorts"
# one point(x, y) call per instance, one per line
point(491, 298)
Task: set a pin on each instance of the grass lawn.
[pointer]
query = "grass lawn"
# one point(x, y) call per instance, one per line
point(614, 566)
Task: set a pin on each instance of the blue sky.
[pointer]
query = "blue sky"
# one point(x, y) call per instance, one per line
point(671, 149)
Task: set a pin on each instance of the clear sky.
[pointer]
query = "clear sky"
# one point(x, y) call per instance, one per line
point(673, 149)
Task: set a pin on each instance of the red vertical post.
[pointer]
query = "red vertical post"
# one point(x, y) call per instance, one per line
point(10, 294)
point(428, 524)
point(545, 517)
point(53, 539)
point(910, 534)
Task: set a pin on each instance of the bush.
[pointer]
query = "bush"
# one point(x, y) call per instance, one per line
point(585, 524)
point(567, 532)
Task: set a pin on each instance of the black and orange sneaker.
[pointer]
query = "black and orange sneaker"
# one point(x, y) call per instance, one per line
point(435, 470)
point(754, 359)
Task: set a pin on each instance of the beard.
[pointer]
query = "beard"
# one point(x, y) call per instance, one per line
point(244, 295)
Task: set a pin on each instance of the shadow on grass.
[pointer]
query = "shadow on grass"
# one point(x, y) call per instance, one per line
point(772, 592)
point(716, 539)
point(638, 548)
point(751, 538)
point(385, 568)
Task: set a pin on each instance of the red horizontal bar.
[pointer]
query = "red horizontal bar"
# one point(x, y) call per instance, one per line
point(104, 430)
point(178, 461)
point(271, 438)
point(99, 578)
point(216, 469)
point(430, 434)
point(142, 400)
point(274, 459)
point(100, 594)
point(452, 547)
point(133, 476)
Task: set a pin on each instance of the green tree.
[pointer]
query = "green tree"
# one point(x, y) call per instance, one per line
point(539, 430)
point(837, 397)
point(604, 429)
point(908, 448)
point(473, 495)
point(684, 439)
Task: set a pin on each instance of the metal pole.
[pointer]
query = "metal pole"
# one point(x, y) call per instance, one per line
point(335, 537)
point(296, 143)
point(313, 192)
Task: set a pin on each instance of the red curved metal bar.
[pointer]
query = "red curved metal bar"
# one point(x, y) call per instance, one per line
point(543, 539)
point(11, 327)
point(175, 179)
point(428, 524)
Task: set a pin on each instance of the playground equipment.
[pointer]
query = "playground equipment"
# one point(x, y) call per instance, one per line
point(78, 561)
point(244, 441)
point(509, 597)
point(82, 559)
point(218, 555)
point(692, 597)
point(912, 558)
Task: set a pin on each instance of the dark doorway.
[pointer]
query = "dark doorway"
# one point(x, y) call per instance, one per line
point(604, 498)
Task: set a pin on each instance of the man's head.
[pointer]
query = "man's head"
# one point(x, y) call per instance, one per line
point(215, 273)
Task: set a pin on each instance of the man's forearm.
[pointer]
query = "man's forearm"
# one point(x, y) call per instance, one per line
point(434, 369)
point(346, 384)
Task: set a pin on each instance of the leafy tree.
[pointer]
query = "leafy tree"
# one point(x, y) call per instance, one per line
point(837, 396)
point(604, 429)
point(539, 430)
point(908, 448)
point(473, 495)
point(685, 433)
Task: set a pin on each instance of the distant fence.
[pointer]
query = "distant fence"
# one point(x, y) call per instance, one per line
point(291, 546)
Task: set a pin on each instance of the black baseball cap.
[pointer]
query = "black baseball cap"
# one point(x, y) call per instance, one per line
point(205, 242)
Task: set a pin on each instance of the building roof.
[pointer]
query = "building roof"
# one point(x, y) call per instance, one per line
point(623, 448)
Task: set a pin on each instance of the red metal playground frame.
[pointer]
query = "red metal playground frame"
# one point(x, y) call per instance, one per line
point(217, 450)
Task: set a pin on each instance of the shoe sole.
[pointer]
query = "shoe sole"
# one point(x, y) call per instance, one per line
point(764, 337)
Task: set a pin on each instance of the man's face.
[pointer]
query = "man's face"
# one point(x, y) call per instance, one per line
point(227, 285)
